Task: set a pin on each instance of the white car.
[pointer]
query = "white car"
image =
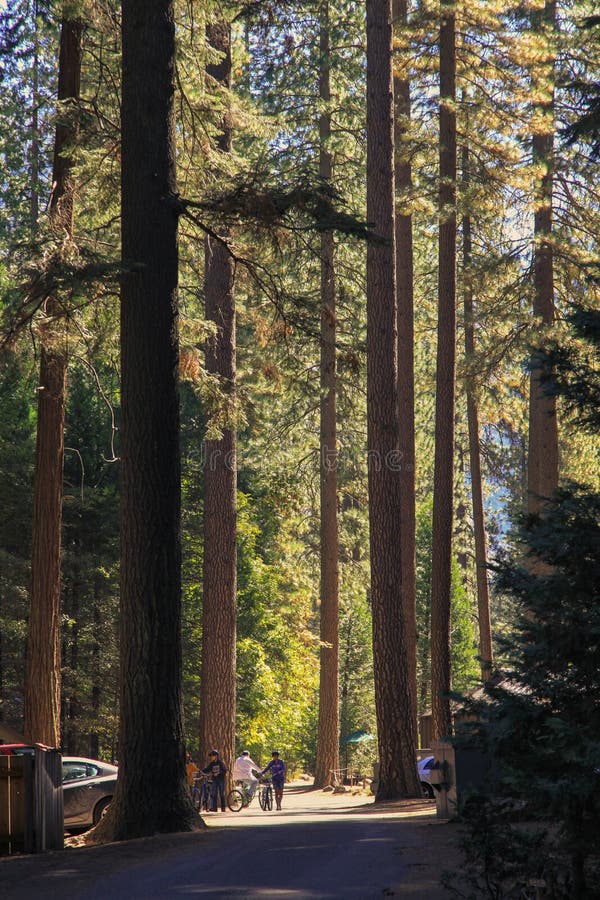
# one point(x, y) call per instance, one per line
point(88, 788)
point(424, 769)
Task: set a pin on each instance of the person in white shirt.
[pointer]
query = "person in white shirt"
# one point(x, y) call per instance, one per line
point(242, 771)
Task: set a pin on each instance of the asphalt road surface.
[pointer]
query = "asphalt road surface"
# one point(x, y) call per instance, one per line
point(319, 846)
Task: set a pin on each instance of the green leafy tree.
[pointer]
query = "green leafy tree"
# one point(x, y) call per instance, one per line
point(586, 89)
point(357, 708)
point(28, 36)
point(540, 725)
point(90, 565)
point(463, 643)
point(277, 659)
point(17, 442)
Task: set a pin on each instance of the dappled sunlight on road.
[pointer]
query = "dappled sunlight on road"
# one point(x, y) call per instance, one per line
point(304, 804)
point(199, 890)
point(321, 846)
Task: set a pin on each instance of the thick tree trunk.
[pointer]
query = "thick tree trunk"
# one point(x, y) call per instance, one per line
point(393, 698)
point(425, 683)
point(543, 459)
point(94, 736)
point(406, 365)
point(152, 793)
point(70, 702)
point(328, 755)
point(217, 697)
point(483, 594)
point(42, 677)
point(444, 408)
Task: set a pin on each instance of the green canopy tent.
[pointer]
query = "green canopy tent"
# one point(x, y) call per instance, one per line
point(357, 737)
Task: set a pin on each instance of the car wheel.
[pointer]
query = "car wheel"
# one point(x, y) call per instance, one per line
point(101, 808)
point(427, 790)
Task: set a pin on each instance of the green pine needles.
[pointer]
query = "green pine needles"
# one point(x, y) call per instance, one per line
point(535, 829)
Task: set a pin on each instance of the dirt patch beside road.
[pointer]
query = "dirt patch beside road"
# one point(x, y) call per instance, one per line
point(429, 846)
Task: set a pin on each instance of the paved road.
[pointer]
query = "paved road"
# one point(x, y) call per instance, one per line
point(319, 846)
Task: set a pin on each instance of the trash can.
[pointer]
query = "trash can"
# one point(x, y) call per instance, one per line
point(456, 773)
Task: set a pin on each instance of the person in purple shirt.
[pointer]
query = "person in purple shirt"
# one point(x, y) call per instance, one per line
point(277, 768)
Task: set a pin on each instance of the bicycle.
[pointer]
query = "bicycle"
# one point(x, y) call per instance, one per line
point(201, 791)
point(239, 796)
point(265, 795)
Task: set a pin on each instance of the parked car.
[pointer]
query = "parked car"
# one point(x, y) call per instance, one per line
point(88, 788)
point(20, 749)
point(424, 768)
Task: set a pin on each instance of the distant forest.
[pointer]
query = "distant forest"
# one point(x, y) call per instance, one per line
point(285, 290)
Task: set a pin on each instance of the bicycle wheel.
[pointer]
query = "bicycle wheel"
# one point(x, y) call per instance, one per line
point(235, 800)
point(261, 797)
point(196, 797)
point(268, 799)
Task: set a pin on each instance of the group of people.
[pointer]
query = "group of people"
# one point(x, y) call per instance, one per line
point(245, 771)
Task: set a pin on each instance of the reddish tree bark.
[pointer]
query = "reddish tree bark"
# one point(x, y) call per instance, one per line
point(481, 562)
point(393, 700)
point(219, 610)
point(152, 793)
point(406, 365)
point(42, 676)
point(328, 753)
point(445, 375)
point(543, 458)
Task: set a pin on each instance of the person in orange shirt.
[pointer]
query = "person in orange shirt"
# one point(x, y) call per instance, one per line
point(191, 768)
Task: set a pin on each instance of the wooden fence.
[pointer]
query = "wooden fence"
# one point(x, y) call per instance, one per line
point(31, 802)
